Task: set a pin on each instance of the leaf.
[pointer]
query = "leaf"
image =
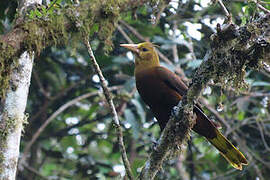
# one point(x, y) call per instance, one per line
point(129, 85)
point(241, 115)
point(38, 14)
point(130, 117)
point(105, 146)
point(139, 108)
point(121, 60)
point(68, 141)
point(138, 163)
point(194, 64)
point(243, 103)
point(260, 83)
point(48, 169)
point(44, 10)
point(1, 28)
point(94, 29)
point(93, 110)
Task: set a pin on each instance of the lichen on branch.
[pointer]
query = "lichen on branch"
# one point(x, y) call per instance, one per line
point(233, 50)
point(34, 33)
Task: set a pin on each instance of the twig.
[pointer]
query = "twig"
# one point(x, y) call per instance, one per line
point(123, 105)
point(224, 8)
point(64, 131)
point(161, 10)
point(52, 5)
point(180, 166)
point(262, 8)
point(262, 136)
point(43, 91)
point(213, 111)
point(174, 46)
point(35, 171)
point(260, 159)
point(49, 101)
point(120, 29)
point(225, 11)
point(250, 154)
point(131, 29)
point(112, 108)
point(67, 89)
point(54, 115)
point(258, 171)
point(161, 55)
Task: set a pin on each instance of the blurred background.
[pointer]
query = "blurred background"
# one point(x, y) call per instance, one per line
point(80, 140)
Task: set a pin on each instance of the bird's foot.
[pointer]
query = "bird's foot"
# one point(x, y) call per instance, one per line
point(154, 145)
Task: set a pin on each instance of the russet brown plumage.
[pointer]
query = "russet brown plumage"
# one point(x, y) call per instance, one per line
point(161, 90)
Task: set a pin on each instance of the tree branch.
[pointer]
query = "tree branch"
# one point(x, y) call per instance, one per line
point(228, 15)
point(13, 117)
point(34, 171)
point(261, 7)
point(53, 116)
point(215, 66)
point(15, 90)
point(34, 34)
point(172, 139)
point(112, 108)
point(13, 43)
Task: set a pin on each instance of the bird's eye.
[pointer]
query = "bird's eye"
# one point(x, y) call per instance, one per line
point(144, 49)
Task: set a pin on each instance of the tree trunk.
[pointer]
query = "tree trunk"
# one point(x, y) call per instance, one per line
point(12, 116)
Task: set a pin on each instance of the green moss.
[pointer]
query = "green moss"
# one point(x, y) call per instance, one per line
point(25, 120)
point(56, 28)
point(1, 160)
point(228, 70)
point(43, 33)
point(5, 67)
point(102, 19)
point(6, 126)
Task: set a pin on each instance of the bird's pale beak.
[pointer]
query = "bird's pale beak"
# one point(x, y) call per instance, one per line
point(132, 47)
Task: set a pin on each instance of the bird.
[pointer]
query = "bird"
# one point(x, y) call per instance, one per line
point(161, 89)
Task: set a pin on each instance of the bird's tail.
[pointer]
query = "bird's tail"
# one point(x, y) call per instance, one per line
point(227, 149)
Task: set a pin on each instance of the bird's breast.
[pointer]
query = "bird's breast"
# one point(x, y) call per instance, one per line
point(157, 95)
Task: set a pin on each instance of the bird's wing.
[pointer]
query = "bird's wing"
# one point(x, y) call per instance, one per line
point(172, 80)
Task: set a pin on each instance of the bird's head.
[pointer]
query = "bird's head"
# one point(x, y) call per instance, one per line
point(146, 55)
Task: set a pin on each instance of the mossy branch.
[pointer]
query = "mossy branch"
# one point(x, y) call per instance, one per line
point(233, 49)
point(172, 139)
point(33, 34)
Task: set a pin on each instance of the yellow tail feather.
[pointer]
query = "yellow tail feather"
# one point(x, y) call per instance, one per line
point(227, 149)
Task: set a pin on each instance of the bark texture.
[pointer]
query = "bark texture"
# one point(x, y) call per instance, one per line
point(13, 117)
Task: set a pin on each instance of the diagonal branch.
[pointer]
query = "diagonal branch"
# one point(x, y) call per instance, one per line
point(53, 116)
point(172, 139)
point(216, 60)
point(112, 108)
point(261, 7)
point(228, 15)
point(34, 171)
